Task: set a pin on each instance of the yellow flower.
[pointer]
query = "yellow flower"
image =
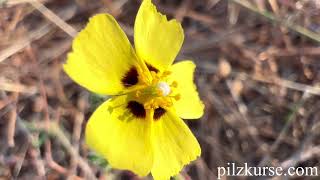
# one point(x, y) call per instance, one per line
point(140, 127)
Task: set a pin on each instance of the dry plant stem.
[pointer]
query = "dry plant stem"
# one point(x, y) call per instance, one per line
point(301, 156)
point(182, 10)
point(307, 150)
point(230, 116)
point(43, 93)
point(233, 13)
point(38, 162)
point(212, 3)
point(203, 18)
point(20, 161)
point(284, 130)
point(56, 131)
point(56, 76)
point(33, 152)
point(290, 84)
point(275, 8)
point(7, 100)
point(270, 16)
point(9, 3)
point(17, 87)
point(78, 120)
point(12, 121)
point(277, 81)
point(42, 30)
point(47, 117)
point(242, 108)
point(113, 7)
point(202, 167)
point(51, 162)
point(22, 43)
point(15, 20)
point(310, 51)
point(54, 18)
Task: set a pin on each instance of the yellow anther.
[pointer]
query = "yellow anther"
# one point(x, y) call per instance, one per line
point(155, 77)
point(147, 106)
point(159, 92)
point(153, 74)
point(177, 97)
point(166, 73)
point(137, 94)
point(174, 84)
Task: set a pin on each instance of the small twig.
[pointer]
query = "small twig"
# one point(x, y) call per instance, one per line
point(12, 121)
point(56, 132)
point(17, 87)
point(38, 162)
point(301, 156)
point(182, 10)
point(54, 18)
point(270, 16)
point(277, 81)
point(22, 43)
point(78, 119)
point(9, 3)
point(285, 129)
point(242, 108)
point(7, 100)
point(40, 31)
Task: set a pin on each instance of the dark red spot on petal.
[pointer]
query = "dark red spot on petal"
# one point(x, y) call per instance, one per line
point(151, 68)
point(136, 109)
point(158, 113)
point(130, 78)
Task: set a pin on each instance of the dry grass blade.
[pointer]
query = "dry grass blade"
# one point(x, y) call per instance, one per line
point(17, 87)
point(22, 43)
point(297, 28)
point(39, 31)
point(54, 18)
point(12, 121)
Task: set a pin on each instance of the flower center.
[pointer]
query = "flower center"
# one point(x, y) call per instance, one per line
point(158, 93)
point(164, 88)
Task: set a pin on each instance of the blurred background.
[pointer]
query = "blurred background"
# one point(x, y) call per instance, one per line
point(258, 73)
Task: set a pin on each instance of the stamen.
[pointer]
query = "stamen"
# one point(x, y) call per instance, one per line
point(138, 93)
point(159, 92)
point(155, 77)
point(166, 73)
point(177, 97)
point(174, 84)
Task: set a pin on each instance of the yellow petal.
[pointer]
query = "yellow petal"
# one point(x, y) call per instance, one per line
point(189, 106)
point(101, 56)
point(157, 40)
point(122, 139)
point(174, 146)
